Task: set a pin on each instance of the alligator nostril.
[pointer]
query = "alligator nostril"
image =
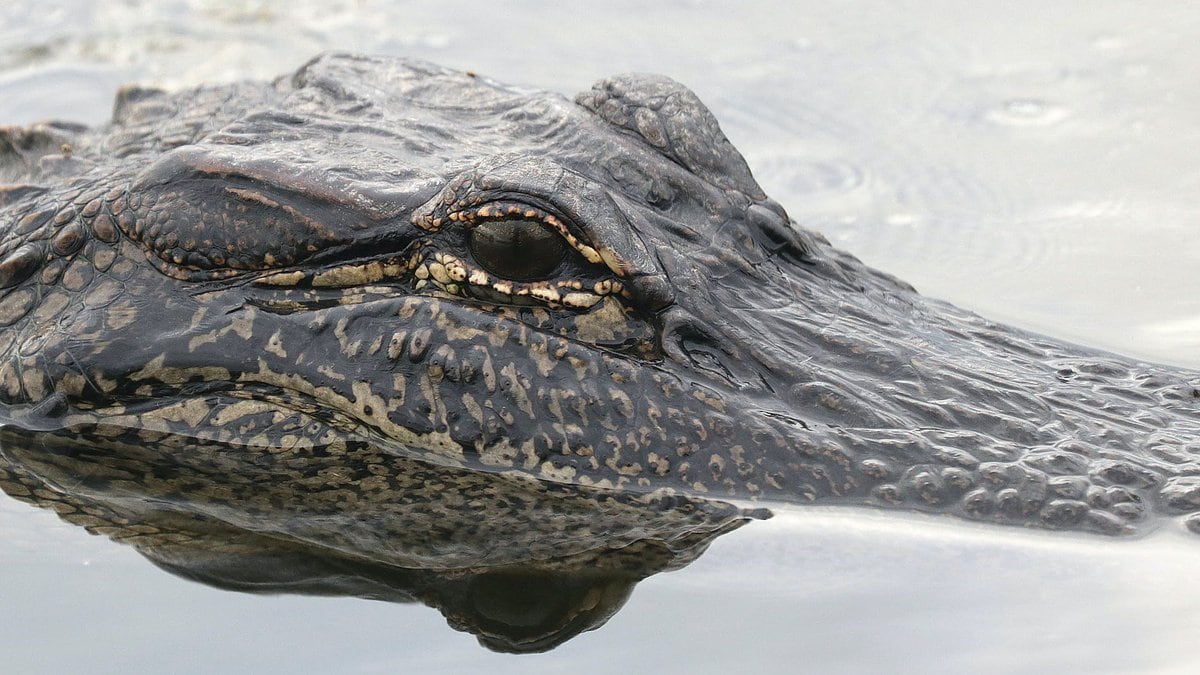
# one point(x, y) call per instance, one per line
point(775, 226)
point(678, 328)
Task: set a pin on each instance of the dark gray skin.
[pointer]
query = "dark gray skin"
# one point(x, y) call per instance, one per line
point(305, 262)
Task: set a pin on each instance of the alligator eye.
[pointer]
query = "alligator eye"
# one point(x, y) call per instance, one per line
point(519, 250)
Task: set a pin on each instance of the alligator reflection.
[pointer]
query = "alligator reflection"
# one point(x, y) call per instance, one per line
point(523, 564)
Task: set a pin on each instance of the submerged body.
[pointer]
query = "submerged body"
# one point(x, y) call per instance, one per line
point(592, 293)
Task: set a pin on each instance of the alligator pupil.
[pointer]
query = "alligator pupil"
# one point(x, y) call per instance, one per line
point(520, 250)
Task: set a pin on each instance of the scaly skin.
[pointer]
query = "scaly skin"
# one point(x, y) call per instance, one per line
point(290, 266)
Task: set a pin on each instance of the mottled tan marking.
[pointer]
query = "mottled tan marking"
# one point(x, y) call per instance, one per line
point(516, 390)
point(542, 359)
point(242, 325)
point(120, 315)
point(561, 474)
point(396, 344)
point(34, 382)
point(331, 373)
point(9, 380)
point(101, 293)
point(15, 305)
point(191, 412)
point(103, 257)
point(49, 308)
point(281, 279)
point(275, 345)
point(473, 408)
point(501, 453)
point(603, 323)
point(709, 398)
point(156, 370)
point(77, 275)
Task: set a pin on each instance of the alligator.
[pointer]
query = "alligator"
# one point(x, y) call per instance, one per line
point(591, 293)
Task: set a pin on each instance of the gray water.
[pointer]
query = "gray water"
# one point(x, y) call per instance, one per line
point(1036, 162)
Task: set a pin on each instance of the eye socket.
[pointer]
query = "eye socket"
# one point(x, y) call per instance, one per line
point(519, 250)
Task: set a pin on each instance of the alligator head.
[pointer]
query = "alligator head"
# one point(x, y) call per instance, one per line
point(594, 293)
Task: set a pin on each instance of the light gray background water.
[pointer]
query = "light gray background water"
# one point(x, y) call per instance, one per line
point(1037, 162)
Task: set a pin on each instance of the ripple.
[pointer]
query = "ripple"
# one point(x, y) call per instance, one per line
point(940, 226)
point(805, 177)
point(1027, 112)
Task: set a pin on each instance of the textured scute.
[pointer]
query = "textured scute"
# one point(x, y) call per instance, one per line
point(672, 119)
point(263, 267)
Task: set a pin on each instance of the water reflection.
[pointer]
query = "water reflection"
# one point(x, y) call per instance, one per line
point(524, 565)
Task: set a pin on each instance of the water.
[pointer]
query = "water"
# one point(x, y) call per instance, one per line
point(1035, 162)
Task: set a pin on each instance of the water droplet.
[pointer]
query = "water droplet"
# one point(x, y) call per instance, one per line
point(1027, 112)
point(901, 219)
point(1107, 42)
